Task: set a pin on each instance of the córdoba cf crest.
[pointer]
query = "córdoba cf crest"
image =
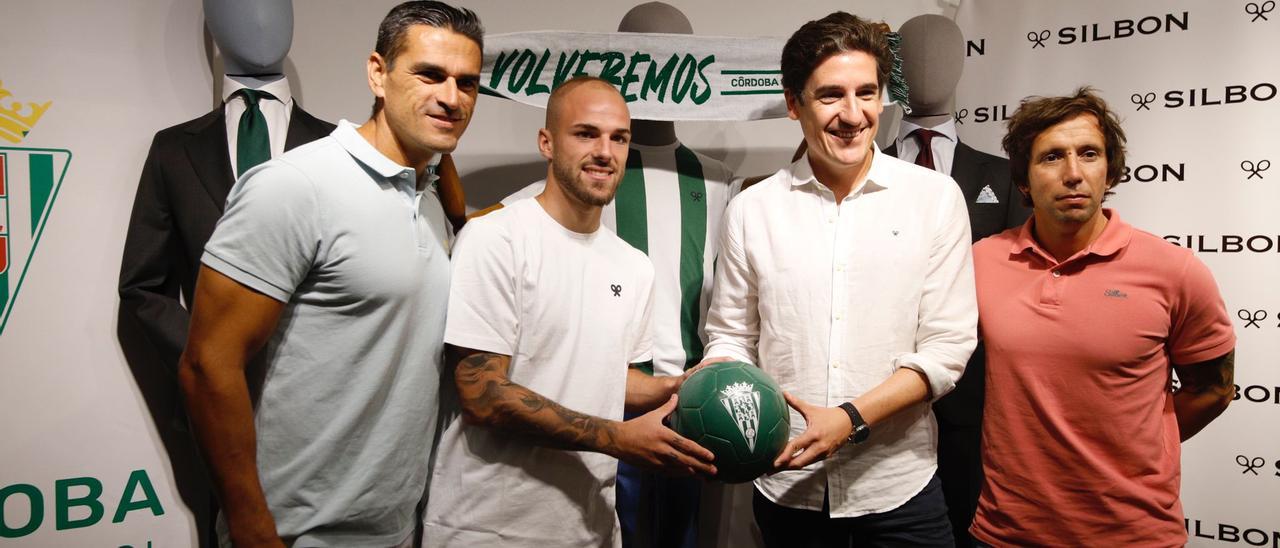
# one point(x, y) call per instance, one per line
point(29, 183)
point(743, 402)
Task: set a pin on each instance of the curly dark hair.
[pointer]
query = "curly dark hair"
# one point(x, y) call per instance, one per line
point(1037, 114)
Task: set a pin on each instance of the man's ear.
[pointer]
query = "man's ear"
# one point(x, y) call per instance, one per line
point(793, 104)
point(544, 143)
point(377, 70)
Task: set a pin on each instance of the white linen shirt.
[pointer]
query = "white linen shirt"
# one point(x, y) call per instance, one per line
point(831, 298)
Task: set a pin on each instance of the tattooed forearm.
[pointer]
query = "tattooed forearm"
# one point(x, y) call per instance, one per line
point(1216, 375)
point(1206, 390)
point(490, 398)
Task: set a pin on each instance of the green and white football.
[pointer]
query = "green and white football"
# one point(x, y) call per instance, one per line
point(737, 412)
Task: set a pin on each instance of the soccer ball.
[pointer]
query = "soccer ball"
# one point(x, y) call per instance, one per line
point(737, 412)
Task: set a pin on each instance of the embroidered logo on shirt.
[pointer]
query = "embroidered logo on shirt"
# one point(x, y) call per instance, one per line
point(987, 196)
point(1116, 293)
point(743, 402)
point(617, 290)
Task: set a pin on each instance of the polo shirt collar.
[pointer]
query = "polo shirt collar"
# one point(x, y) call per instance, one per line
point(1115, 237)
point(363, 152)
point(878, 177)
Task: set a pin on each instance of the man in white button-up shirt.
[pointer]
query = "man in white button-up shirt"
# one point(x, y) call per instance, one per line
point(848, 277)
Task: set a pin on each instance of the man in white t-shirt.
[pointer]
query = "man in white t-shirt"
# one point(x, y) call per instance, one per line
point(668, 206)
point(547, 311)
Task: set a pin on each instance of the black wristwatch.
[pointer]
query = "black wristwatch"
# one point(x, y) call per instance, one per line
point(860, 431)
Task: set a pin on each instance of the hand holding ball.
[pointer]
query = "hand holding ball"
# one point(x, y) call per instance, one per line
point(737, 412)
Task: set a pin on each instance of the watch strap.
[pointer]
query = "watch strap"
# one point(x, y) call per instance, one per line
point(860, 430)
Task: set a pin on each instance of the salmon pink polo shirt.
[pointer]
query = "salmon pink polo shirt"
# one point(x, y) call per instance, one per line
point(1080, 443)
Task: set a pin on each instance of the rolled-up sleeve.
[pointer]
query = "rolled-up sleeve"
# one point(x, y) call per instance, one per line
point(948, 328)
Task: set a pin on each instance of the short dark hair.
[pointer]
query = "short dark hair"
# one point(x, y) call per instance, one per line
point(837, 33)
point(1037, 114)
point(424, 12)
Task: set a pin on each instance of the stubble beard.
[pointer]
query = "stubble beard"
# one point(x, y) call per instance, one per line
point(567, 177)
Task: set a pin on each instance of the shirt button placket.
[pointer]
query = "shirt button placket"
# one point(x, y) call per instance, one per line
point(836, 331)
point(408, 189)
point(1052, 293)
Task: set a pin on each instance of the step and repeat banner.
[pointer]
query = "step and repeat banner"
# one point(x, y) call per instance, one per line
point(1197, 87)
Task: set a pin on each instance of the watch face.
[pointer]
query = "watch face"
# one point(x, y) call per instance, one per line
point(860, 433)
point(860, 428)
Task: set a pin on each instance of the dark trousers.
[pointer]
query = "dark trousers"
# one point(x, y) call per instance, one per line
point(656, 511)
point(960, 468)
point(921, 521)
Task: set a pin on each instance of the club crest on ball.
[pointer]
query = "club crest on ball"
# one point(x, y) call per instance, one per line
point(742, 400)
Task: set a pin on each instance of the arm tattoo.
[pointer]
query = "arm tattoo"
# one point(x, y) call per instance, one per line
point(1216, 375)
point(490, 398)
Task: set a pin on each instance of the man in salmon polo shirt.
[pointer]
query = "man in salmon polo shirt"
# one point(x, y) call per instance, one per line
point(1083, 315)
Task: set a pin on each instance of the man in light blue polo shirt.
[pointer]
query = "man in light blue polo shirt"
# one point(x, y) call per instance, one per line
point(312, 368)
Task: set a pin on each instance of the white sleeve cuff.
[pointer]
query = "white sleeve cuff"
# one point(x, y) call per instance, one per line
point(941, 378)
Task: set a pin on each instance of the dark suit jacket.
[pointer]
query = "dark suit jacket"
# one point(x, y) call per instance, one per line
point(973, 170)
point(180, 197)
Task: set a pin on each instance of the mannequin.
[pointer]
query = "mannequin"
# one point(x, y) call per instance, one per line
point(662, 511)
point(185, 179)
point(253, 37)
point(932, 62)
point(654, 17)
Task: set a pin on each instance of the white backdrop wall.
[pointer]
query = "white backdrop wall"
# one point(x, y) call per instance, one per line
point(82, 427)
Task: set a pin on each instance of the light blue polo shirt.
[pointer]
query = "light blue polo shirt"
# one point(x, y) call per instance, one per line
point(350, 379)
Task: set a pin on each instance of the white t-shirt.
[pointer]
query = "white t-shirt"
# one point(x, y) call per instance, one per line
point(669, 206)
point(572, 311)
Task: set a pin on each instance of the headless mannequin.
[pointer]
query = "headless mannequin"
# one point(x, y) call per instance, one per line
point(932, 62)
point(253, 37)
point(654, 17)
point(252, 41)
point(656, 511)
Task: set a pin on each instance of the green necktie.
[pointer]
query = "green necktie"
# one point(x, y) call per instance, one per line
point(253, 145)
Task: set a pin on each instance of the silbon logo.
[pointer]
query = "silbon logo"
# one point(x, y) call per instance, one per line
point(29, 183)
point(1114, 30)
point(742, 400)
